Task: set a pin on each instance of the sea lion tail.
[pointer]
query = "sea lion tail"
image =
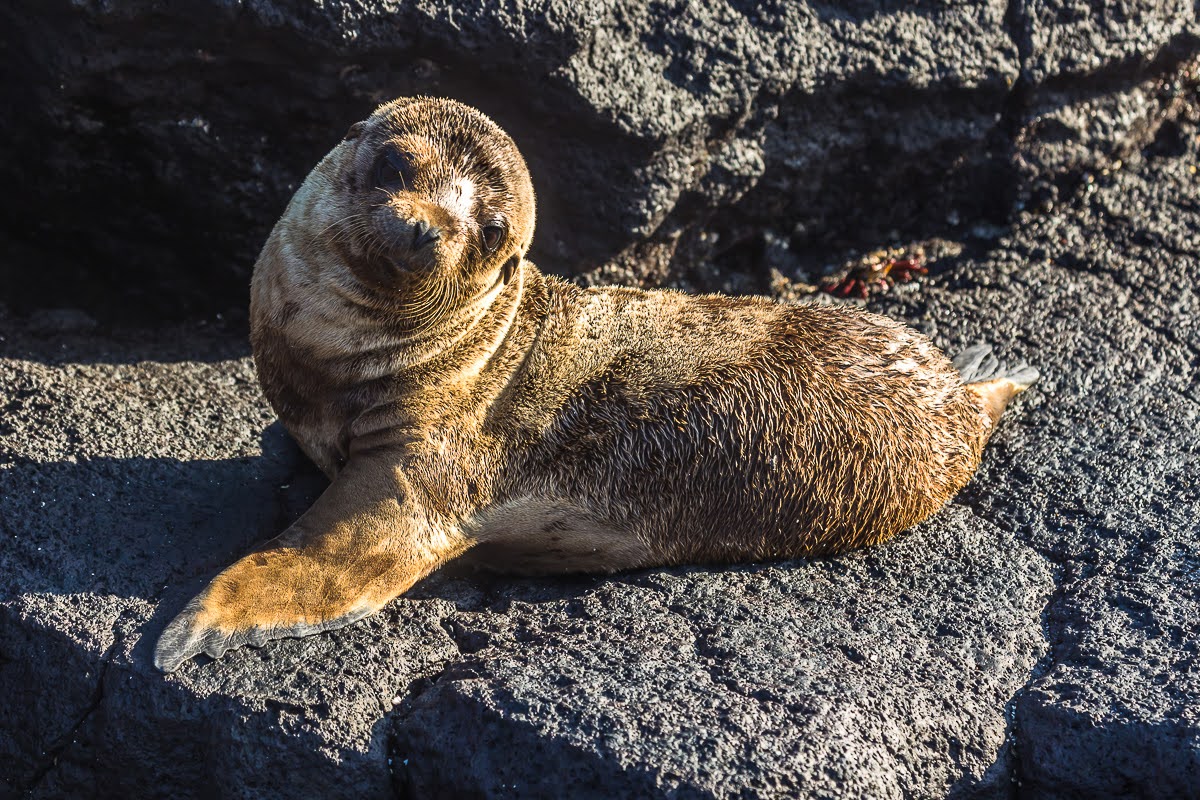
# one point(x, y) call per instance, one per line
point(990, 380)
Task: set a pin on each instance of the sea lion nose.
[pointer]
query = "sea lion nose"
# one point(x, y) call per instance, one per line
point(425, 234)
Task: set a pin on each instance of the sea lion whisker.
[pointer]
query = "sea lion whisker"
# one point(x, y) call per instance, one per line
point(360, 224)
point(417, 300)
point(434, 309)
point(338, 222)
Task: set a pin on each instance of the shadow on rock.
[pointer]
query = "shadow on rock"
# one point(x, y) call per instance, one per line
point(131, 526)
point(55, 335)
point(1056, 747)
point(109, 727)
point(496, 754)
point(99, 554)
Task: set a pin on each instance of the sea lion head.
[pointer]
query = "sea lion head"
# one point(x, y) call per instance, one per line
point(426, 207)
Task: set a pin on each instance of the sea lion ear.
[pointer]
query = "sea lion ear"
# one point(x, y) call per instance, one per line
point(510, 267)
point(355, 131)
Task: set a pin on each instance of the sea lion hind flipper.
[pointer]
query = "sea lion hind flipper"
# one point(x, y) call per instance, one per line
point(362, 544)
point(978, 364)
point(1022, 375)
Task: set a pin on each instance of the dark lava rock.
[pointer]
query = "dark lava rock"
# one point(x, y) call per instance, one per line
point(157, 142)
point(1101, 298)
point(1040, 635)
point(1039, 638)
point(882, 674)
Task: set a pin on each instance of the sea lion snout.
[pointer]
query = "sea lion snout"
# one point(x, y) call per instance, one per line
point(425, 234)
point(415, 233)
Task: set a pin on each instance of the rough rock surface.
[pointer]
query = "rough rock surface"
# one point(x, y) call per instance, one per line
point(158, 141)
point(1039, 638)
point(1100, 296)
point(884, 674)
point(1041, 635)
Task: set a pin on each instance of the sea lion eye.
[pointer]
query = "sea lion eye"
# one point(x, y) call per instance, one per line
point(492, 234)
point(393, 169)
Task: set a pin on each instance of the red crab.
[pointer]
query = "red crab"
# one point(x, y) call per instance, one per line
point(879, 272)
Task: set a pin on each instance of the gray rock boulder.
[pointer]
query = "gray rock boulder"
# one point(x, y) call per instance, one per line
point(884, 674)
point(157, 142)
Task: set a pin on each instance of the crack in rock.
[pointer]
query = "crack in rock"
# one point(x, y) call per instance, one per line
point(60, 745)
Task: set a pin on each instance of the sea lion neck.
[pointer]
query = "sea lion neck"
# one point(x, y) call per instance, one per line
point(466, 335)
point(330, 317)
point(324, 355)
point(455, 386)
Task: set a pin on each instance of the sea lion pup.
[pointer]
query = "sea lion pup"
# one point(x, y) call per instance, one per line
point(460, 399)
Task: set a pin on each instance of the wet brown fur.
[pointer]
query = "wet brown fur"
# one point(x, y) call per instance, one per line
point(549, 428)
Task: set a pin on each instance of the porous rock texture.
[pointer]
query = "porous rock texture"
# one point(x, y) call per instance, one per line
point(1040, 637)
point(156, 142)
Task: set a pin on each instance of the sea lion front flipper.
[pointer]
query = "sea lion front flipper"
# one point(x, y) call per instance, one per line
point(362, 543)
